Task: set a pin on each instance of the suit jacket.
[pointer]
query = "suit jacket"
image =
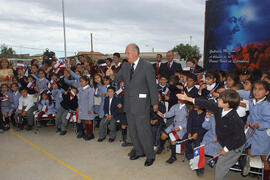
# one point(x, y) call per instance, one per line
point(229, 129)
point(155, 68)
point(115, 111)
point(165, 71)
point(141, 91)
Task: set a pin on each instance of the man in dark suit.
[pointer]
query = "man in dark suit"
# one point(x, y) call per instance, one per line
point(169, 67)
point(158, 64)
point(140, 93)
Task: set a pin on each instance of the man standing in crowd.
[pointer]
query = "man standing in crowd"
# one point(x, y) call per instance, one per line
point(158, 64)
point(141, 92)
point(169, 67)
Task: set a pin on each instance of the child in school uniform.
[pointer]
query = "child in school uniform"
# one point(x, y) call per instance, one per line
point(45, 105)
point(191, 89)
point(209, 124)
point(163, 86)
point(157, 121)
point(42, 82)
point(57, 96)
point(100, 94)
point(69, 104)
point(259, 120)
point(15, 102)
point(112, 111)
point(229, 128)
point(208, 90)
point(179, 126)
point(86, 110)
point(174, 88)
point(26, 109)
point(6, 101)
point(195, 133)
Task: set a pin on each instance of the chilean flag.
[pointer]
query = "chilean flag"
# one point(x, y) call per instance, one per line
point(120, 91)
point(213, 161)
point(4, 98)
point(174, 136)
point(50, 85)
point(180, 148)
point(44, 109)
point(72, 116)
point(103, 65)
point(21, 66)
point(198, 161)
point(31, 85)
point(61, 64)
point(72, 94)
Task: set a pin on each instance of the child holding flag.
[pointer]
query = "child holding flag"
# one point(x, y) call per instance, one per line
point(176, 130)
point(68, 105)
point(229, 128)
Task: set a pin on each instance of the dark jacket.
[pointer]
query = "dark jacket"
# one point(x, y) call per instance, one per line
point(154, 116)
point(194, 124)
point(69, 104)
point(229, 129)
point(192, 93)
point(165, 70)
point(115, 111)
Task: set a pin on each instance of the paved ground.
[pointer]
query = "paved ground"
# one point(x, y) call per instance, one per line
point(20, 160)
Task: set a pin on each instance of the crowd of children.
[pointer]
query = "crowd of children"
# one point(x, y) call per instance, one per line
point(213, 109)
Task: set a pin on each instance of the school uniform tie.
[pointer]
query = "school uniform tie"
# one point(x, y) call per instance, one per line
point(132, 70)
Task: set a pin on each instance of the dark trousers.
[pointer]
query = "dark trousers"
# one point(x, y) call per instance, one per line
point(141, 134)
point(156, 131)
point(190, 145)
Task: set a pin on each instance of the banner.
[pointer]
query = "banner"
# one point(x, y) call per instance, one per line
point(237, 34)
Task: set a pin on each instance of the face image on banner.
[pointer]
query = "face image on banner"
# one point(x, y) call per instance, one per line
point(237, 34)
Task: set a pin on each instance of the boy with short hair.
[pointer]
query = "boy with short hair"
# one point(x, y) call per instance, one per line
point(229, 128)
point(112, 111)
point(26, 108)
point(191, 89)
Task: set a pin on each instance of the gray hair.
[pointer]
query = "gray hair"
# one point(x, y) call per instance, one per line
point(135, 47)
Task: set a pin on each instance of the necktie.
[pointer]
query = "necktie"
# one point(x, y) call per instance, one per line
point(169, 66)
point(132, 70)
point(157, 70)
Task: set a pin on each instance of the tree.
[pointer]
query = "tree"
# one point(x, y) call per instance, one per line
point(187, 51)
point(7, 52)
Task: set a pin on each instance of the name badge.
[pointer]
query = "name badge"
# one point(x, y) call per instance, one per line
point(142, 95)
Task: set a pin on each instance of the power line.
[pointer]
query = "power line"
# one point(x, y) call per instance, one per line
point(33, 48)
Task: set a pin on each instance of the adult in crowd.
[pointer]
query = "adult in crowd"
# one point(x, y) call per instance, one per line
point(158, 64)
point(170, 67)
point(6, 72)
point(141, 92)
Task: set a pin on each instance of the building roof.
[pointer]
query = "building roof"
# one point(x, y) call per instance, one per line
point(90, 53)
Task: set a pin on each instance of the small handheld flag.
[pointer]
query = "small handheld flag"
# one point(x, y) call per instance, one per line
point(173, 136)
point(213, 161)
point(120, 91)
point(198, 161)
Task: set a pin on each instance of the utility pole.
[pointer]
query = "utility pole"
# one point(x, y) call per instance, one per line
point(64, 29)
point(91, 37)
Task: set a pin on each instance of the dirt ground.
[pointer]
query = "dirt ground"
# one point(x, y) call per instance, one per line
point(48, 156)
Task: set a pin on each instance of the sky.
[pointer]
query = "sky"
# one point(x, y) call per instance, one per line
point(30, 26)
